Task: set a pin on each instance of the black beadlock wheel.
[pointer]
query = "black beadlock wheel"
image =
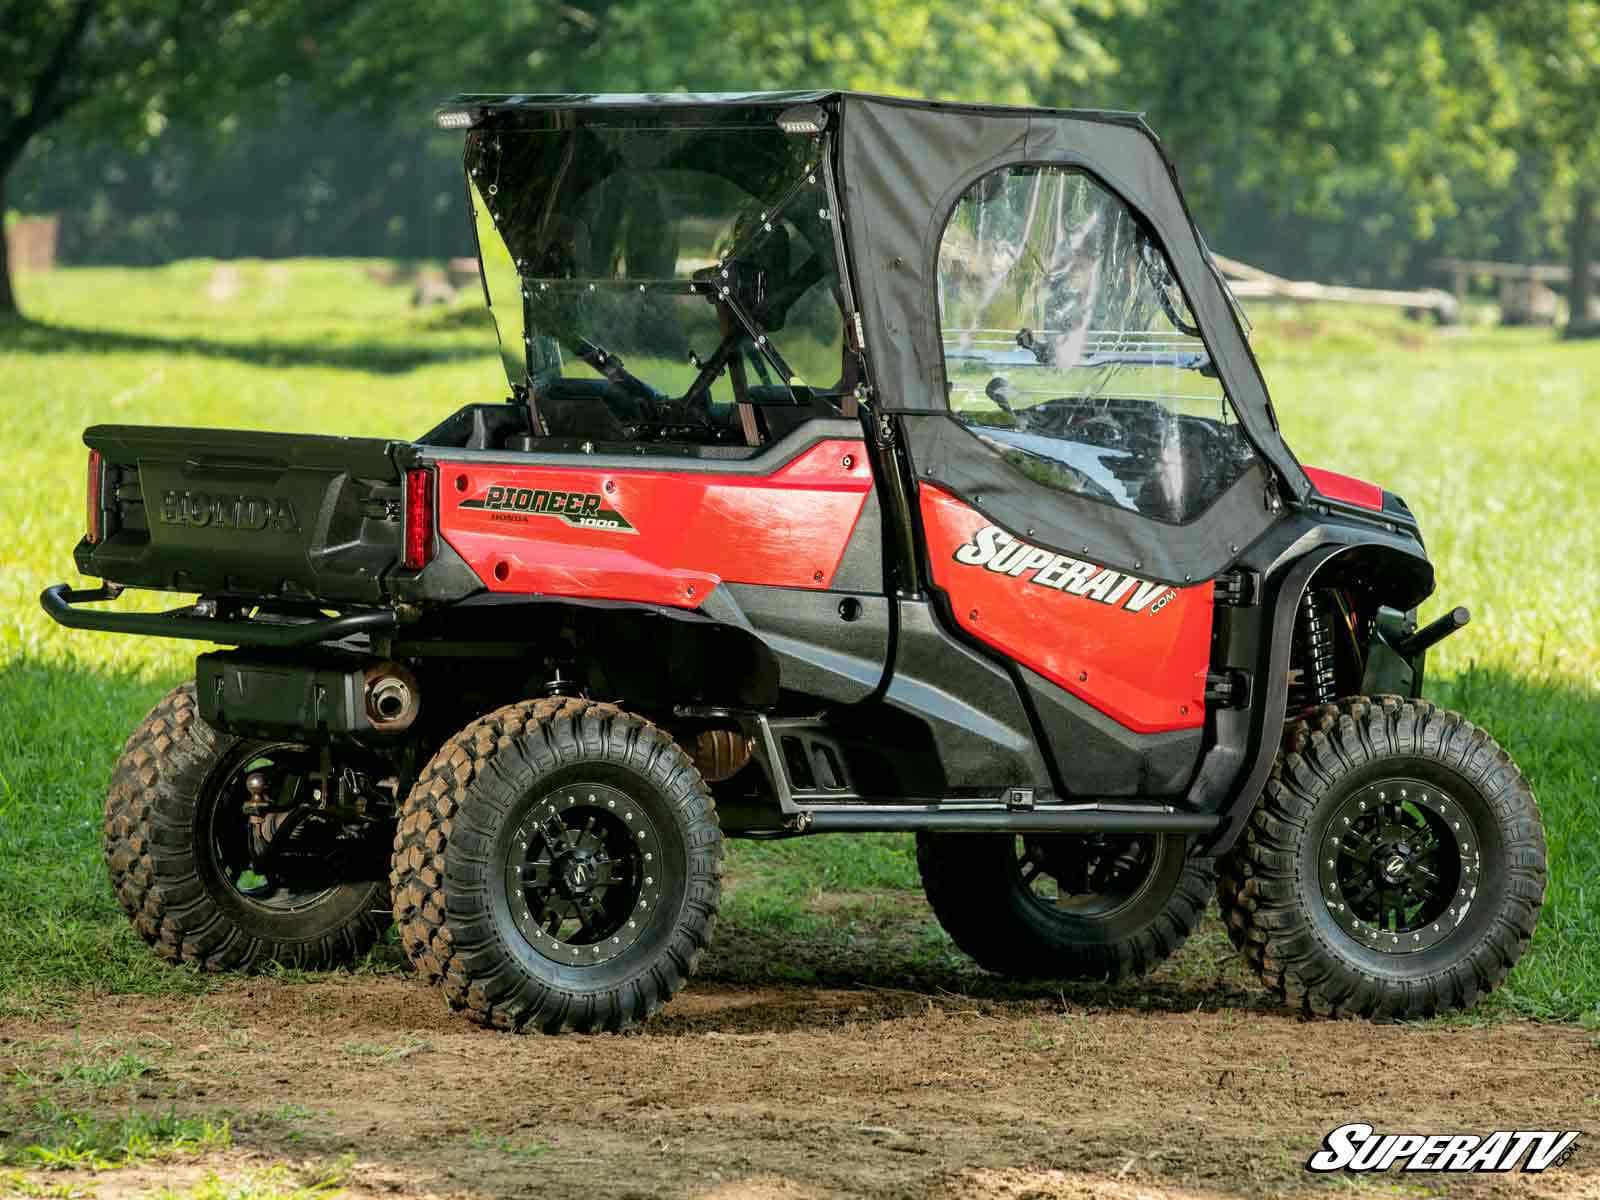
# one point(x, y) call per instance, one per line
point(558, 866)
point(182, 854)
point(1065, 906)
point(1395, 865)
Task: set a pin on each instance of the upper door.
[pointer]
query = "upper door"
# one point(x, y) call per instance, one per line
point(1057, 247)
point(1084, 407)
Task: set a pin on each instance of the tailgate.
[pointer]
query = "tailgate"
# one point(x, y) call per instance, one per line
point(248, 514)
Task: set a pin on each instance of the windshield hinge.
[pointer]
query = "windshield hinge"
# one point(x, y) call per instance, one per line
point(885, 429)
point(1238, 588)
point(1272, 500)
point(860, 345)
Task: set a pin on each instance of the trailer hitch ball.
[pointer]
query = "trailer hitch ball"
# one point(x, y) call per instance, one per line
point(392, 697)
point(259, 788)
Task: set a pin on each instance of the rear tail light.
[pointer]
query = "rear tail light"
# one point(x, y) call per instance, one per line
point(94, 528)
point(419, 518)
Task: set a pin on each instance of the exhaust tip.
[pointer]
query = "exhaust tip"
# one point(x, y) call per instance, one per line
point(393, 698)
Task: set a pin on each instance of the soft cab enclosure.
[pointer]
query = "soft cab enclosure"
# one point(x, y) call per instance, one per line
point(580, 209)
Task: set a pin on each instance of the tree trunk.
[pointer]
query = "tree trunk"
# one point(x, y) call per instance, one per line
point(8, 299)
point(1580, 246)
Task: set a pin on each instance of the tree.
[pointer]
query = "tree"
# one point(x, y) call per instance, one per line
point(1558, 45)
point(1004, 50)
point(120, 71)
point(1321, 101)
point(123, 71)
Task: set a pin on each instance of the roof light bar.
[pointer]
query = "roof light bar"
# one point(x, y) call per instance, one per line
point(803, 118)
point(456, 118)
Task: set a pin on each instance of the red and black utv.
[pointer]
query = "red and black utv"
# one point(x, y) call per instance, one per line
point(869, 465)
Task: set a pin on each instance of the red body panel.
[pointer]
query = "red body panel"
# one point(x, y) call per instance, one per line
point(1346, 488)
point(1135, 650)
point(658, 536)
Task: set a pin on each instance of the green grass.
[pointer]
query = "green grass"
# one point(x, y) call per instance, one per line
point(322, 1182)
point(386, 1053)
point(94, 1071)
point(1490, 435)
point(54, 1138)
point(521, 1151)
point(31, 1187)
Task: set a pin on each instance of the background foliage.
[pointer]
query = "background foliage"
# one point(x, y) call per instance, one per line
point(1345, 140)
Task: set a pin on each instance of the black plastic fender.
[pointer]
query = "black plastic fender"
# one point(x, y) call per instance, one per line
point(1234, 771)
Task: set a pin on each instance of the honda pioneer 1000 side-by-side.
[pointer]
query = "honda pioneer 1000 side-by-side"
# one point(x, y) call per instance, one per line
point(868, 465)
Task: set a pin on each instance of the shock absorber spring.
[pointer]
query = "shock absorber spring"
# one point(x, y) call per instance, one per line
point(1314, 679)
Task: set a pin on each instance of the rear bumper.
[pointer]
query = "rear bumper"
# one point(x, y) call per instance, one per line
point(64, 604)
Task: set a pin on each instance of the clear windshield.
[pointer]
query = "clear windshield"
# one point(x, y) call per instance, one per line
point(667, 275)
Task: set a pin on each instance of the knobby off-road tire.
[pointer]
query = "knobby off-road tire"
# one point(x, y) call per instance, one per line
point(1297, 918)
point(550, 782)
point(164, 812)
point(976, 886)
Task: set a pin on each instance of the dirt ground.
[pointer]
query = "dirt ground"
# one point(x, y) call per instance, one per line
point(794, 1092)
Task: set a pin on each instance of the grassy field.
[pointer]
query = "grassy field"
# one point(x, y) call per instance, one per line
point(1490, 435)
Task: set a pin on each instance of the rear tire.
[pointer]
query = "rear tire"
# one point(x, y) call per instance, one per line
point(977, 887)
point(171, 813)
point(558, 866)
point(1394, 867)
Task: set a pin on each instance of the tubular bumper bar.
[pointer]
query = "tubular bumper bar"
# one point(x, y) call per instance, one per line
point(1433, 633)
point(62, 602)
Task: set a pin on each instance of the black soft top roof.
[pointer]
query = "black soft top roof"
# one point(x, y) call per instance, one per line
point(487, 103)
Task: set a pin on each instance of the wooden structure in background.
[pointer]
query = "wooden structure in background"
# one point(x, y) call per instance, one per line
point(1527, 290)
point(1250, 282)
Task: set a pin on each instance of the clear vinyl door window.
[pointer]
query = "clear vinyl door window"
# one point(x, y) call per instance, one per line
point(1070, 349)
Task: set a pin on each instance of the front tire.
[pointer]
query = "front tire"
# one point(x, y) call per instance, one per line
point(558, 866)
point(177, 846)
point(1065, 906)
point(1394, 867)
